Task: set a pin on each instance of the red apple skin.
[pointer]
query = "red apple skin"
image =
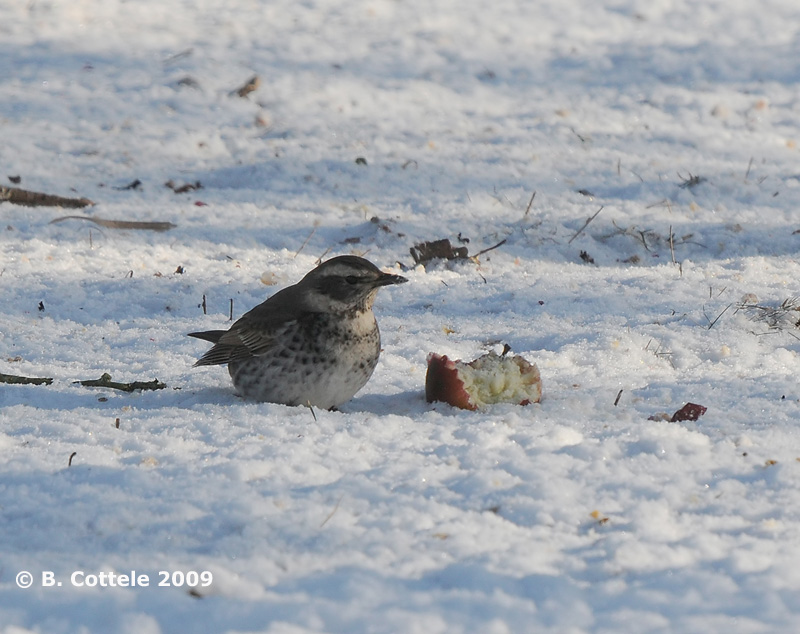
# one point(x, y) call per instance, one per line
point(444, 380)
point(442, 383)
point(690, 411)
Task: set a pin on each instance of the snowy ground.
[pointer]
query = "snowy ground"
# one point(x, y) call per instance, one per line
point(392, 515)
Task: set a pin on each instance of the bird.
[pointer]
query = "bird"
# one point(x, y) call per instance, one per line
point(315, 343)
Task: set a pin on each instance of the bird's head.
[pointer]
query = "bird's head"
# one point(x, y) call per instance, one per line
point(345, 283)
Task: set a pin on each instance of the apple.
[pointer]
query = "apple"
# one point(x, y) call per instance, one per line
point(489, 379)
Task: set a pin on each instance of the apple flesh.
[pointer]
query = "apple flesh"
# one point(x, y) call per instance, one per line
point(486, 380)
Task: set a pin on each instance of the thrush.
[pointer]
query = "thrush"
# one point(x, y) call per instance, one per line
point(313, 343)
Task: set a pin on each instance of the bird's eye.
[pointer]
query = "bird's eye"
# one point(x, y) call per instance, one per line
point(351, 279)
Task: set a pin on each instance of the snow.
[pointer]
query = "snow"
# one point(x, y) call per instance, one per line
point(393, 515)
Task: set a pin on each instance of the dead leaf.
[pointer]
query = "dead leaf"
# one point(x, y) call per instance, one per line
point(424, 252)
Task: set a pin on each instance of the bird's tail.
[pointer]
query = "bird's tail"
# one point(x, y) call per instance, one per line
point(220, 353)
point(208, 335)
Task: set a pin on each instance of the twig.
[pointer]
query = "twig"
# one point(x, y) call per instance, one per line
point(582, 138)
point(24, 380)
point(641, 235)
point(305, 242)
point(659, 353)
point(691, 181)
point(644, 240)
point(530, 204)
point(499, 197)
point(781, 317)
point(177, 56)
point(716, 319)
point(671, 245)
point(324, 253)
point(585, 224)
point(616, 400)
point(333, 512)
point(121, 224)
point(747, 173)
point(105, 381)
point(499, 244)
point(665, 202)
point(71, 456)
point(18, 196)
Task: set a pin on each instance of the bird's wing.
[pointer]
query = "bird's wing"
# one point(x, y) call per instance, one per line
point(248, 339)
point(254, 333)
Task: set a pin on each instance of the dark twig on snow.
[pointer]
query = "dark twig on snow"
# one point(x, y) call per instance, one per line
point(530, 204)
point(18, 196)
point(585, 224)
point(306, 241)
point(333, 512)
point(691, 181)
point(672, 244)
point(105, 381)
point(121, 224)
point(662, 203)
point(492, 248)
point(583, 139)
point(777, 317)
point(24, 380)
point(711, 323)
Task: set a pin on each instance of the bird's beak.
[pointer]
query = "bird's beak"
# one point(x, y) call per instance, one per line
point(387, 278)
